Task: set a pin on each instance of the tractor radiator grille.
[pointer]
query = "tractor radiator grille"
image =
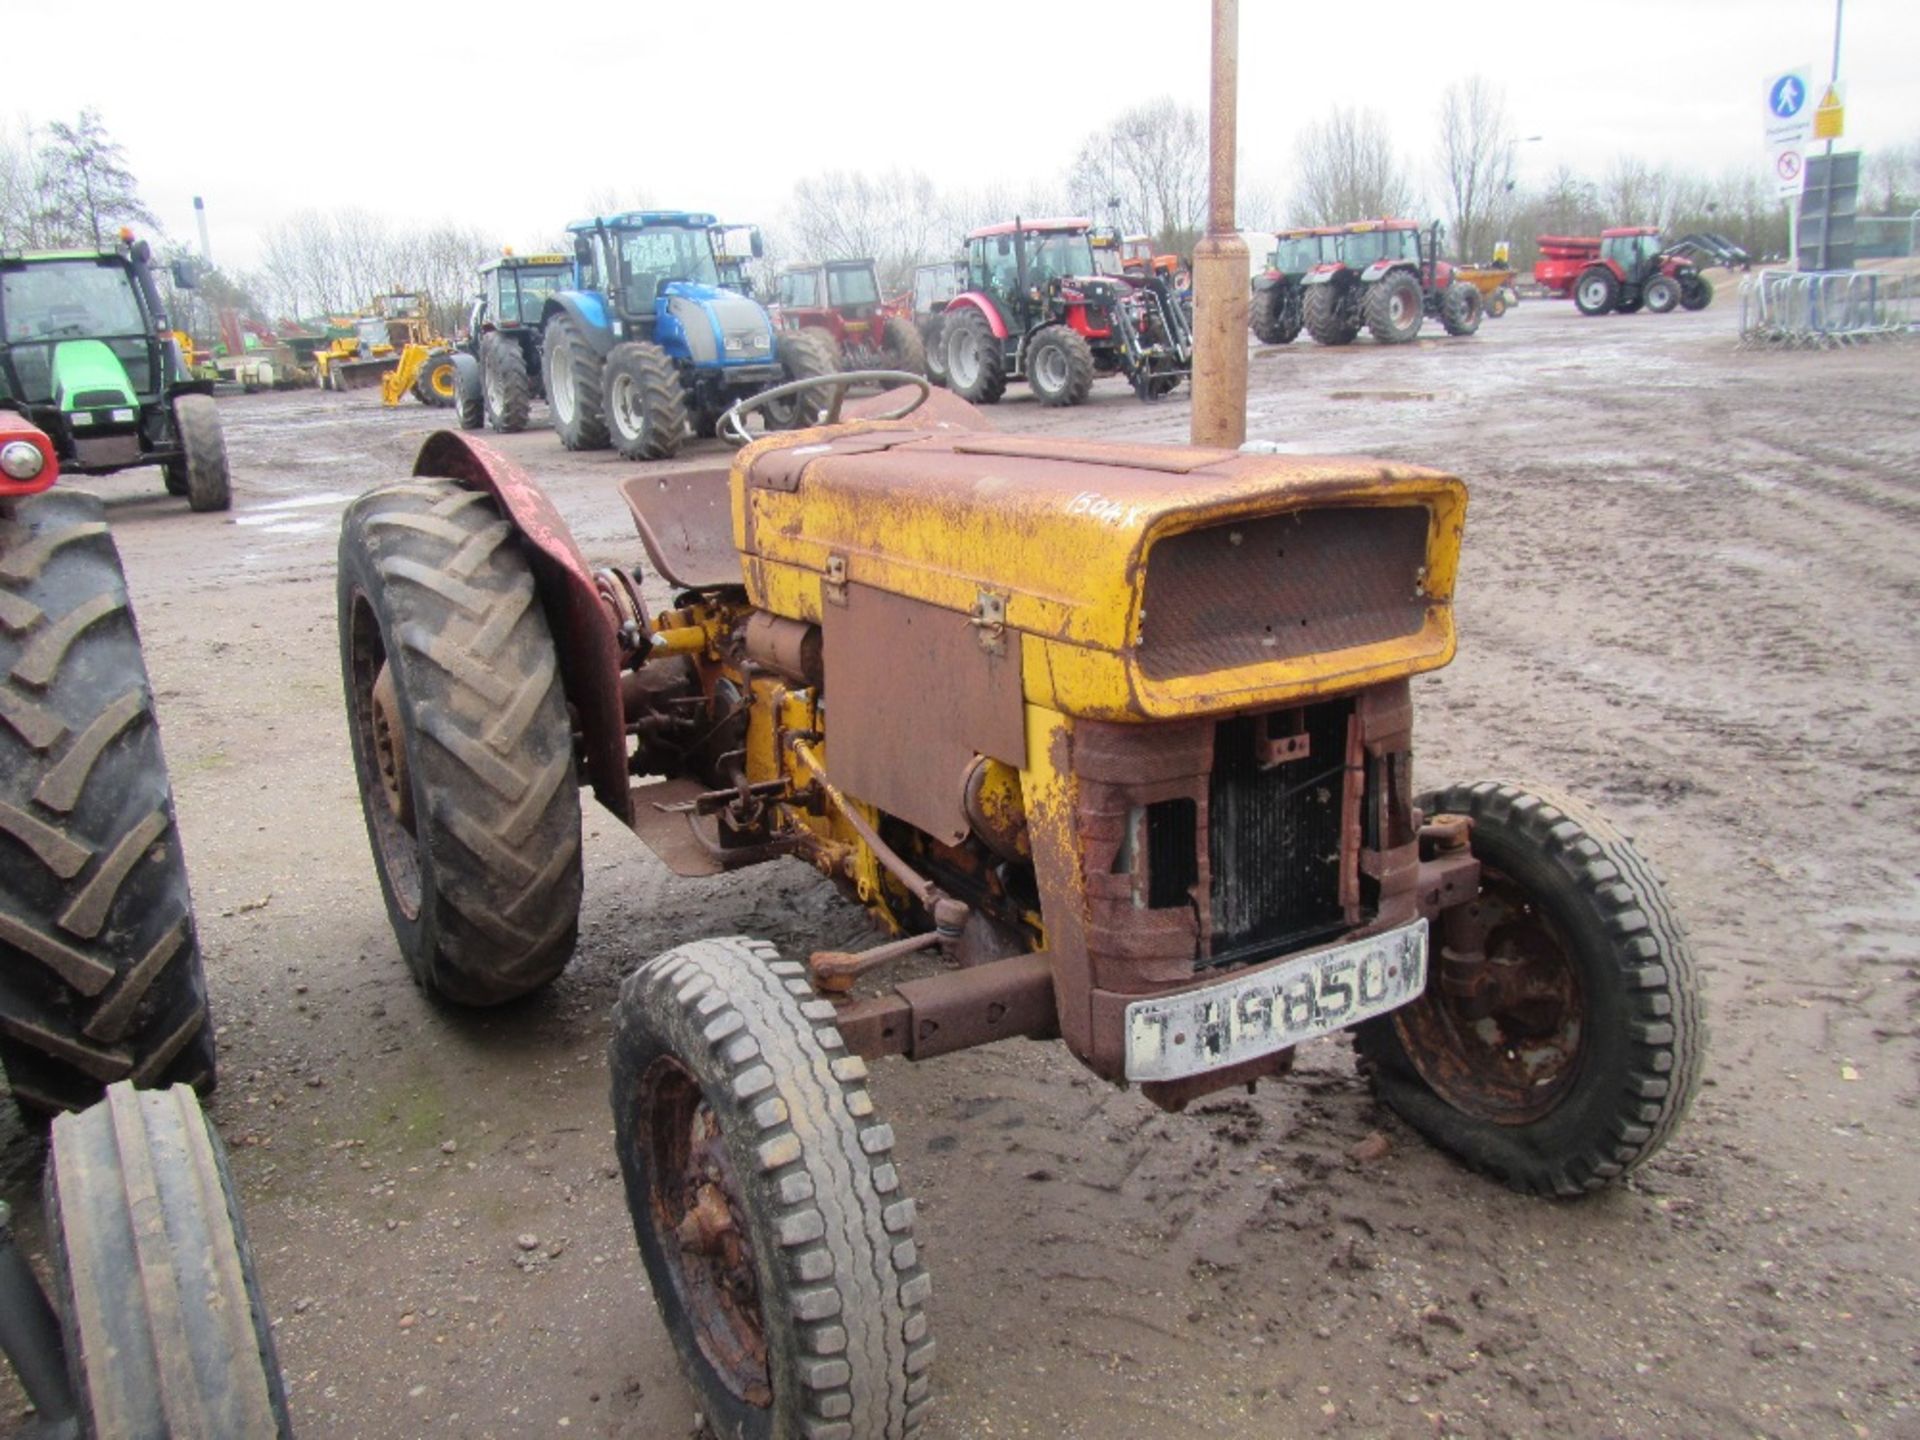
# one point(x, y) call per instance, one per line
point(1280, 587)
point(1274, 834)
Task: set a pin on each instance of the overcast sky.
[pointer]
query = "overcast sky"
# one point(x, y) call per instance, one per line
point(527, 109)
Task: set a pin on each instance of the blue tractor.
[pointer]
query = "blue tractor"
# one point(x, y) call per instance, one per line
point(648, 347)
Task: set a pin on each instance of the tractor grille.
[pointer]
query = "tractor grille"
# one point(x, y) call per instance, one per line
point(1273, 837)
point(1281, 587)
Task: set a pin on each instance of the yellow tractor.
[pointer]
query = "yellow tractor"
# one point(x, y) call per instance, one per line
point(1115, 742)
point(394, 346)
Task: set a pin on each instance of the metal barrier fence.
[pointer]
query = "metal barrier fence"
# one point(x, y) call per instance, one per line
point(1819, 310)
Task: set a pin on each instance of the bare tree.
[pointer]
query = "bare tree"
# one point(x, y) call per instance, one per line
point(893, 218)
point(1148, 170)
point(1891, 180)
point(1347, 170)
point(1474, 150)
point(86, 185)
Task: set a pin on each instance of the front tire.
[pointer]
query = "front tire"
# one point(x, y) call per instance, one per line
point(902, 347)
point(508, 386)
point(438, 387)
point(469, 387)
point(1059, 366)
point(1567, 1056)
point(165, 1327)
point(1329, 320)
point(803, 354)
point(573, 386)
point(1696, 292)
point(1461, 309)
point(646, 411)
point(933, 342)
point(100, 975)
point(201, 470)
point(1661, 293)
point(976, 362)
point(1393, 308)
point(776, 1236)
point(1596, 291)
point(461, 742)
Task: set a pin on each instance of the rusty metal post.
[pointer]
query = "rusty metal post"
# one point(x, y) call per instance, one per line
point(1220, 275)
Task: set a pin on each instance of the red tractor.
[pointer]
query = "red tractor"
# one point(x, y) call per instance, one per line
point(1389, 278)
point(841, 300)
point(1037, 308)
point(1634, 269)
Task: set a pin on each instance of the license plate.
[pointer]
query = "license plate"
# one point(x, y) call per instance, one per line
point(1173, 1036)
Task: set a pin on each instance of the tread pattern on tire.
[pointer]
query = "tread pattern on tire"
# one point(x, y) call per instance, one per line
point(506, 366)
point(100, 975)
point(1377, 307)
point(802, 353)
point(991, 382)
point(1668, 1030)
point(469, 382)
point(853, 1270)
point(903, 347)
point(664, 403)
point(1327, 320)
point(473, 657)
point(204, 465)
point(166, 1330)
point(586, 429)
point(1079, 365)
point(1461, 309)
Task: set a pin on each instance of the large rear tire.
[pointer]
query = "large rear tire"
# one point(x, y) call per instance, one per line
point(507, 386)
point(201, 470)
point(573, 386)
point(646, 410)
point(934, 345)
point(976, 362)
point(1392, 306)
point(1461, 309)
point(1276, 317)
point(776, 1236)
point(1568, 1055)
point(166, 1331)
point(1330, 316)
point(803, 353)
point(461, 741)
point(100, 976)
point(1596, 292)
point(901, 346)
point(1059, 366)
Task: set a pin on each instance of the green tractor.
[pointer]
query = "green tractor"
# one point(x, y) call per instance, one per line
point(88, 356)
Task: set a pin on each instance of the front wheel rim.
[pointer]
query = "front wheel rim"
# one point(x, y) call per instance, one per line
point(1050, 369)
point(560, 386)
point(963, 360)
point(1594, 293)
point(626, 407)
point(700, 1224)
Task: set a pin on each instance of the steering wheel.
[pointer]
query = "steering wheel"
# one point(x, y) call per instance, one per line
point(732, 425)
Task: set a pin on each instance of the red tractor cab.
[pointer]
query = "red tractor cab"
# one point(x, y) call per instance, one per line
point(841, 300)
point(1037, 308)
point(1389, 277)
point(1635, 269)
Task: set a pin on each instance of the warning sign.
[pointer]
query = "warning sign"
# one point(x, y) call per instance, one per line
point(1789, 167)
point(1830, 118)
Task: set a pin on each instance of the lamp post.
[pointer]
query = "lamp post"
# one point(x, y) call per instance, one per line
point(1220, 274)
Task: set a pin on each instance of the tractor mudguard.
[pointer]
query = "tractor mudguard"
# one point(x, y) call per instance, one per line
point(1321, 274)
point(973, 300)
point(1265, 282)
point(588, 312)
point(582, 629)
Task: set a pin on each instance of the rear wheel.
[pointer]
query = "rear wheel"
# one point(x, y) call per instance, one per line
point(1393, 308)
point(803, 353)
point(976, 365)
point(1461, 308)
point(1276, 315)
point(1661, 293)
point(646, 411)
point(1696, 291)
point(1560, 1038)
point(1059, 366)
point(1330, 316)
point(100, 976)
point(777, 1238)
point(934, 344)
point(1496, 305)
point(1596, 291)
point(469, 387)
point(436, 386)
point(461, 741)
point(166, 1330)
point(201, 471)
point(902, 347)
point(573, 386)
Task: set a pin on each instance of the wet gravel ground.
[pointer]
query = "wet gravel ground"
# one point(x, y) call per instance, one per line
point(1688, 595)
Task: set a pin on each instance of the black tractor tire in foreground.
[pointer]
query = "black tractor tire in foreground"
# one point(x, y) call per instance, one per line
point(1393, 307)
point(461, 742)
point(1661, 292)
point(1275, 316)
point(100, 976)
point(507, 386)
point(901, 344)
point(201, 472)
point(803, 353)
point(1583, 1053)
point(437, 386)
point(469, 388)
point(1330, 318)
point(646, 409)
point(166, 1331)
point(1461, 309)
point(765, 1200)
point(1596, 292)
point(573, 385)
point(1696, 292)
point(933, 342)
point(976, 363)
point(1059, 366)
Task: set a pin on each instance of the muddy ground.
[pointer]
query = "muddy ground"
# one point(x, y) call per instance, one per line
point(1689, 594)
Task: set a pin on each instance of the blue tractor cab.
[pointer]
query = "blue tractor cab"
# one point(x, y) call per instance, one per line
point(649, 345)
